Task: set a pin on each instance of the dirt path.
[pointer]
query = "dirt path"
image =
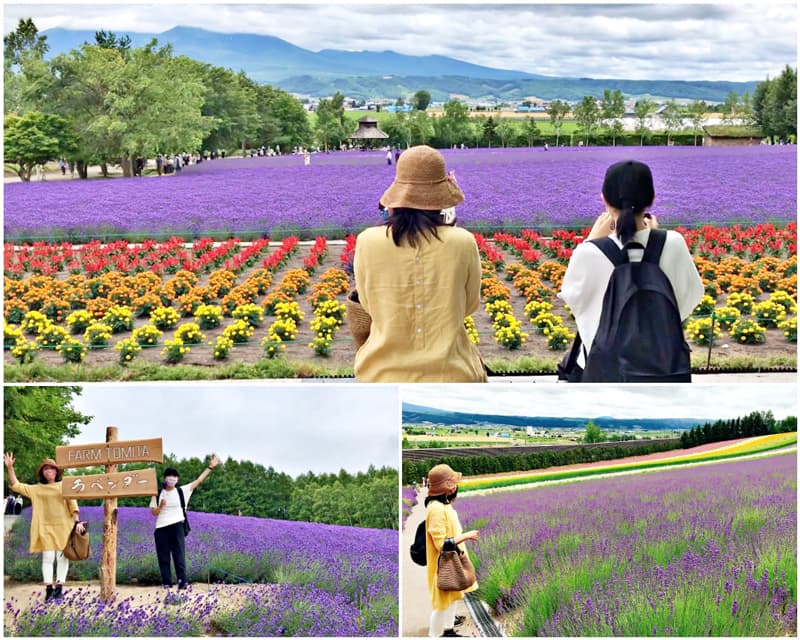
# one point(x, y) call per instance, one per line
point(416, 604)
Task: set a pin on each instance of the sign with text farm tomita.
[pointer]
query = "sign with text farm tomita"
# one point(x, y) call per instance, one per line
point(142, 482)
point(90, 455)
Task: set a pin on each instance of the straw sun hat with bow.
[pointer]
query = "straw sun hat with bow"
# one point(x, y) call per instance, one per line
point(421, 182)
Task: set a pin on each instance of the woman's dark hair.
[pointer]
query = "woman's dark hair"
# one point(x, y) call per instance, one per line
point(413, 224)
point(41, 477)
point(444, 499)
point(171, 471)
point(628, 186)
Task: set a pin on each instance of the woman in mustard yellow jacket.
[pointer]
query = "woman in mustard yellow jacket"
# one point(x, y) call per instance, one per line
point(418, 277)
point(441, 524)
point(51, 522)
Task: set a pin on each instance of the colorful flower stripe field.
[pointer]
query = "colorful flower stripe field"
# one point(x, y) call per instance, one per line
point(705, 551)
point(212, 301)
point(285, 578)
point(721, 451)
point(507, 189)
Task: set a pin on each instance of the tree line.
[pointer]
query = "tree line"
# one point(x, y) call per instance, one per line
point(109, 103)
point(413, 470)
point(38, 419)
point(757, 423)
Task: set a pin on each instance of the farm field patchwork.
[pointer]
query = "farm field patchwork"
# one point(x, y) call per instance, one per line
point(702, 551)
point(294, 578)
point(208, 302)
point(655, 461)
point(505, 189)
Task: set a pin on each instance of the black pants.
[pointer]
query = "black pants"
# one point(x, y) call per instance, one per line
point(170, 541)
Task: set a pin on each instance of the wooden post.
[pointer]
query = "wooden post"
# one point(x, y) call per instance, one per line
point(108, 571)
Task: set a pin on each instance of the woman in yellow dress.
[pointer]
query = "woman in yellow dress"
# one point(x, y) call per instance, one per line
point(441, 525)
point(51, 523)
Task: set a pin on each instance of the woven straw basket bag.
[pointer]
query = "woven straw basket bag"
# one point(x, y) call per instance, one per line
point(358, 320)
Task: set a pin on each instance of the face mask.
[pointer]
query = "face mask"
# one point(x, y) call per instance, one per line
point(170, 481)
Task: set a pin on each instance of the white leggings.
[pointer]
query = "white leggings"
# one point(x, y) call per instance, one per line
point(441, 620)
point(62, 566)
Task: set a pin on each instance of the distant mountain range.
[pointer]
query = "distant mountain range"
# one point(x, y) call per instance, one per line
point(415, 414)
point(386, 74)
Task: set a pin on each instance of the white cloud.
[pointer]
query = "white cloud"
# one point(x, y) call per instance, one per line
point(665, 41)
point(700, 401)
point(294, 428)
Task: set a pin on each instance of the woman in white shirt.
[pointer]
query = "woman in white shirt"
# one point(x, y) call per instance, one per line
point(628, 192)
point(170, 533)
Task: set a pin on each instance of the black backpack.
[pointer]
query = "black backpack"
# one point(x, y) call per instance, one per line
point(640, 337)
point(419, 550)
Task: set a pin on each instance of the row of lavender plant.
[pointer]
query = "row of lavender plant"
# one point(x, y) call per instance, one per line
point(304, 579)
point(706, 551)
point(409, 499)
point(338, 193)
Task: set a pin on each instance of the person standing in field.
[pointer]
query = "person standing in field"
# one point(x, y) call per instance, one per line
point(443, 526)
point(171, 525)
point(52, 521)
point(389, 156)
point(627, 194)
point(418, 276)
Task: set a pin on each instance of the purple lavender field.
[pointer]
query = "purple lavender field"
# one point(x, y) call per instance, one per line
point(408, 501)
point(705, 551)
point(296, 579)
point(339, 192)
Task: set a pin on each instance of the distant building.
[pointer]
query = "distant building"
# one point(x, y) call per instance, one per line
point(731, 136)
point(368, 133)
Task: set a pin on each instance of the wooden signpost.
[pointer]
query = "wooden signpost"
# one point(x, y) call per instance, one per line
point(109, 486)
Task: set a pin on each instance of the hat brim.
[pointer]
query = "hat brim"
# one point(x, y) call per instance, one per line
point(427, 197)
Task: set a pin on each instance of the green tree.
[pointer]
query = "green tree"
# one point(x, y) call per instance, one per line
point(672, 116)
point(283, 119)
point(25, 72)
point(109, 40)
point(230, 101)
point(489, 131)
point(137, 104)
point(531, 130)
point(34, 139)
point(587, 115)
point(612, 109)
point(644, 109)
point(420, 126)
point(25, 41)
point(421, 100)
point(593, 433)
point(558, 111)
point(331, 126)
point(506, 131)
point(453, 127)
point(697, 116)
point(35, 421)
point(730, 108)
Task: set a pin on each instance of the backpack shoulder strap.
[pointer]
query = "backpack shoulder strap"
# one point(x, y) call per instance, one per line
point(655, 245)
point(610, 250)
point(183, 502)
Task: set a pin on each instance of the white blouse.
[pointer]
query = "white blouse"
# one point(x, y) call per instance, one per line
point(589, 271)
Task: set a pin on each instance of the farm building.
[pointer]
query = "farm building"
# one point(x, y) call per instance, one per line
point(368, 133)
point(730, 135)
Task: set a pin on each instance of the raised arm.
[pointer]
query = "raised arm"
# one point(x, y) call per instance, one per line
point(8, 460)
point(206, 472)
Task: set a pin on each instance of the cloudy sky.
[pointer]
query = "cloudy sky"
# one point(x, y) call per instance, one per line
point(619, 401)
point(293, 428)
point(660, 41)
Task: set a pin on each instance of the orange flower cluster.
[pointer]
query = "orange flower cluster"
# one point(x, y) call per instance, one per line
point(334, 282)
